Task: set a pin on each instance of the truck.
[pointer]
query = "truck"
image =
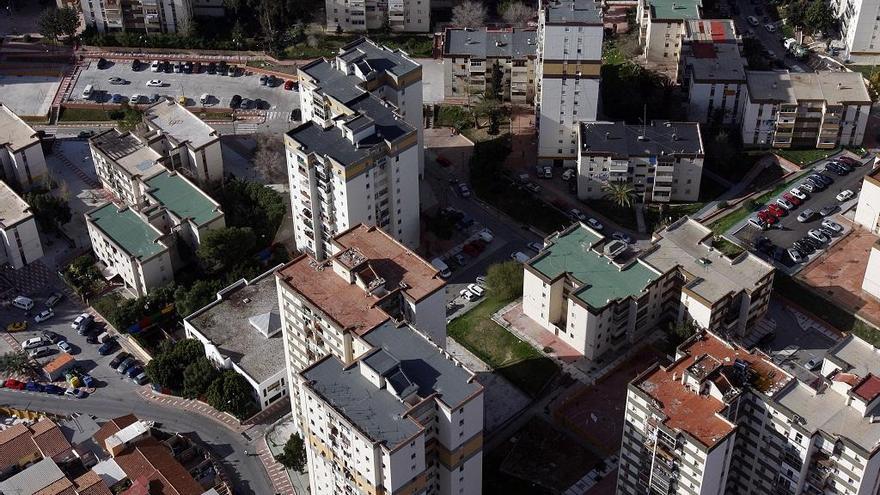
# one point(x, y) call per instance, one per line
point(441, 267)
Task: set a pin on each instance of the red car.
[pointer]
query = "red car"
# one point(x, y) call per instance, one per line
point(792, 199)
point(767, 217)
point(777, 210)
point(14, 384)
point(288, 85)
point(850, 161)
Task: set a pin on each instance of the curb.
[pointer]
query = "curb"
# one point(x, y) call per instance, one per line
point(195, 406)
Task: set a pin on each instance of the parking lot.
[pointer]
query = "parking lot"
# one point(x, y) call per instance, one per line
point(789, 229)
point(191, 86)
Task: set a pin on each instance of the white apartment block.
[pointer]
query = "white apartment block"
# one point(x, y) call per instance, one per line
point(123, 161)
point(498, 63)
point(662, 161)
point(403, 417)
point(130, 248)
point(22, 162)
point(370, 279)
point(358, 156)
point(713, 71)
point(19, 237)
point(408, 16)
point(721, 419)
point(808, 110)
point(859, 26)
point(580, 289)
point(142, 16)
point(241, 331)
point(662, 27)
point(568, 69)
point(191, 146)
point(868, 209)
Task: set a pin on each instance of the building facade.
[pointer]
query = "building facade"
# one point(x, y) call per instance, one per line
point(662, 161)
point(411, 16)
point(191, 146)
point(808, 110)
point(22, 163)
point(859, 22)
point(868, 209)
point(570, 34)
point(358, 156)
point(580, 288)
point(140, 16)
point(721, 419)
point(713, 71)
point(18, 230)
point(499, 63)
point(662, 27)
point(402, 417)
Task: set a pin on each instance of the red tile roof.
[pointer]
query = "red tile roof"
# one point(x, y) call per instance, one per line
point(112, 427)
point(152, 461)
point(868, 389)
point(59, 487)
point(49, 438)
point(91, 484)
point(15, 445)
point(58, 363)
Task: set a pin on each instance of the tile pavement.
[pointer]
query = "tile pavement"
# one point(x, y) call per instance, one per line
point(195, 406)
point(277, 472)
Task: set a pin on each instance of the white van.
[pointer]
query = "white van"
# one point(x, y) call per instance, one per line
point(520, 257)
point(24, 303)
point(486, 236)
point(87, 92)
point(441, 267)
point(103, 337)
point(204, 98)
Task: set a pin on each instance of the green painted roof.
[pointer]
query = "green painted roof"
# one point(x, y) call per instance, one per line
point(675, 9)
point(601, 279)
point(128, 230)
point(182, 198)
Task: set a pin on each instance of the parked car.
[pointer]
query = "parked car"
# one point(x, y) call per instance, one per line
point(796, 192)
point(14, 384)
point(103, 63)
point(119, 358)
point(535, 246)
point(141, 379)
point(832, 225)
point(156, 66)
point(791, 199)
point(534, 188)
point(39, 352)
point(844, 195)
point(785, 203)
point(827, 210)
point(767, 217)
point(852, 162)
point(595, 224)
point(463, 190)
point(154, 83)
point(235, 102)
point(264, 80)
point(476, 290)
point(519, 256)
point(44, 315)
point(824, 179)
point(576, 214)
point(837, 170)
point(753, 21)
point(806, 215)
point(52, 389)
point(134, 371)
point(135, 65)
point(106, 347)
point(807, 186)
point(777, 210)
point(116, 98)
point(51, 336)
point(33, 386)
point(87, 379)
point(188, 67)
point(620, 236)
point(17, 326)
point(64, 346)
point(125, 364)
point(795, 255)
point(116, 80)
point(818, 235)
point(82, 323)
point(53, 299)
point(569, 174)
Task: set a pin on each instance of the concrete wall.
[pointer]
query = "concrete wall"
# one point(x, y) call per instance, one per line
point(21, 244)
point(871, 283)
point(868, 209)
point(729, 98)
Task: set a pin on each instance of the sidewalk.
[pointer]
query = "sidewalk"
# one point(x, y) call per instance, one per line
point(195, 406)
point(277, 472)
point(284, 480)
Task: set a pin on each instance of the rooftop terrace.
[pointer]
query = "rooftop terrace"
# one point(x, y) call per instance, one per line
point(180, 124)
point(127, 229)
point(673, 10)
point(786, 87)
point(13, 209)
point(130, 152)
point(513, 43)
point(182, 198)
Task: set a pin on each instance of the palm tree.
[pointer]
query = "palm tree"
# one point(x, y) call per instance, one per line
point(17, 363)
point(620, 194)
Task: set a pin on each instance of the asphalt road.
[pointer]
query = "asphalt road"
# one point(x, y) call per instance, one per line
point(792, 346)
point(771, 41)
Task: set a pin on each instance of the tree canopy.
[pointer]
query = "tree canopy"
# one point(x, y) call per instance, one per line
point(197, 296)
point(198, 376)
point(50, 211)
point(469, 14)
point(222, 249)
point(294, 454)
point(231, 393)
point(54, 23)
point(516, 13)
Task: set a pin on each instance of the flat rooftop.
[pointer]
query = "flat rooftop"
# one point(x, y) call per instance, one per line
point(513, 43)
point(835, 88)
point(711, 274)
point(183, 198)
point(696, 414)
point(13, 209)
point(711, 62)
point(710, 30)
point(37, 478)
point(180, 124)
point(372, 56)
point(127, 229)
point(15, 133)
point(229, 324)
point(602, 280)
point(659, 138)
point(131, 153)
point(673, 10)
point(573, 12)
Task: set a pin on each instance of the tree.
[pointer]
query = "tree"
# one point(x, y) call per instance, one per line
point(251, 204)
point(294, 454)
point(516, 13)
point(48, 24)
point(721, 152)
point(620, 194)
point(269, 158)
point(17, 363)
point(874, 85)
point(485, 107)
point(221, 249)
point(167, 369)
point(231, 393)
point(67, 20)
point(505, 280)
point(82, 273)
point(819, 18)
point(50, 211)
point(128, 117)
point(197, 377)
point(199, 295)
point(469, 13)
point(163, 371)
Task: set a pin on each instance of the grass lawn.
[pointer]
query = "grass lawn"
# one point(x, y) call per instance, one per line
point(653, 218)
point(625, 216)
point(822, 308)
point(724, 223)
point(264, 64)
point(727, 248)
point(454, 116)
point(84, 115)
point(514, 359)
point(804, 157)
point(866, 70)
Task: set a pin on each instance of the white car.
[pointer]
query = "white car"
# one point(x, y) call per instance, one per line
point(806, 186)
point(594, 224)
point(64, 346)
point(832, 225)
point(795, 255)
point(806, 215)
point(154, 83)
point(796, 192)
point(576, 214)
point(467, 294)
point(845, 195)
point(154, 67)
point(44, 315)
point(34, 343)
point(818, 235)
point(785, 203)
point(476, 290)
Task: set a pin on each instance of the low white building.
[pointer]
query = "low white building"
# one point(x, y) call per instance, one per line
point(662, 161)
point(241, 331)
point(22, 162)
point(191, 146)
point(18, 230)
point(130, 248)
point(807, 110)
point(412, 16)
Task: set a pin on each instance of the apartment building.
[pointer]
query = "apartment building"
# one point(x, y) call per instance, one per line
point(713, 71)
point(868, 209)
point(662, 161)
point(499, 63)
point(123, 161)
point(587, 291)
point(410, 16)
point(19, 237)
point(721, 419)
point(241, 331)
point(808, 110)
point(402, 417)
point(370, 278)
point(191, 146)
point(358, 156)
point(129, 247)
point(22, 162)
point(568, 68)
point(859, 22)
point(662, 26)
point(140, 16)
